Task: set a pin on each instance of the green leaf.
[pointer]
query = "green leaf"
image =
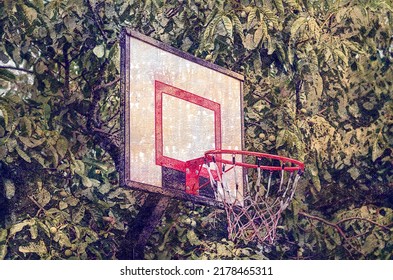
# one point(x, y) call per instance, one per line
point(104, 188)
point(7, 75)
point(86, 182)
point(269, 14)
point(270, 46)
point(55, 156)
point(16, 56)
point(223, 251)
point(3, 152)
point(19, 226)
point(342, 56)
point(3, 235)
point(39, 248)
point(30, 13)
point(210, 17)
point(314, 177)
point(3, 251)
point(249, 42)
point(228, 25)
point(43, 197)
point(91, 236)
point(330, 245)
point(193, 238)
point(93, 162)
point(62, 146)
point(42, 32)
point(354, 172)
point(364, 212)
point(70, 23)
point(377, 150)
point(39, 159)
point(148, 4)
point(293, 4)
point(78, 214)
point(370, 244)
point(78, 167)
point(40, 67)
point(211, 28)
point(64, 241)
point(71, 200)
point(47, 110)
point(43, 227)
point(341, 14)
point(281, 138)
point(279, 5)
point(4, 113)
point(291, 55)
point(34, 231)
point(26, 124)
point(31, 142)
point(9, 188)
point(3, 57)
point(368, 106)
point(62, 205)
point(99, 51)
point(251, 16)
point(296, 25)
point(238, 26)
point(11, 145)
point(260, 33)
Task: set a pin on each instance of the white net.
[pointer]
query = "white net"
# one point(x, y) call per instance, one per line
point(255, 214)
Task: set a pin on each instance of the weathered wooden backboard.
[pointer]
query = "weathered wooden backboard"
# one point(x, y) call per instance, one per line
point(175, 107)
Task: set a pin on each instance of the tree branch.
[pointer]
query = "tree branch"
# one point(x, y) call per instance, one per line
point(98, 24)
point(92, 121)
point(366, 220)
point(334, 225)
point(142, 227)
point(337, 228)
point(107, 85)
point(66, 72)
point(341, 232)
point(16, 69)
point(37, 204)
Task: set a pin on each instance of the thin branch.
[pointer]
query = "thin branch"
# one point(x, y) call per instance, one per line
point(104, 86)
point(38, 205)
point(112, 117)
point(345, 238)
point(67, 66)
point(241, 60)
point(16, 69)
point(339, 229)
point(366, 220)
point(299, 85)
point(252, 123)
point(334, 225)
point(97, 23)
point(92, 115)
point(263, 97)
point(327, 20)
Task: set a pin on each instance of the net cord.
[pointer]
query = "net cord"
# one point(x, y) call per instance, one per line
point(253, 216)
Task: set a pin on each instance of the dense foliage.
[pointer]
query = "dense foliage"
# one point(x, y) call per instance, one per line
point(318, 88)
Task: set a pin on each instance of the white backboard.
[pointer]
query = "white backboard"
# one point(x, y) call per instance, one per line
point(175, 107)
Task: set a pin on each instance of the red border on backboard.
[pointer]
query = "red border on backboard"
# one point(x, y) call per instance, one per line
point(160, 90)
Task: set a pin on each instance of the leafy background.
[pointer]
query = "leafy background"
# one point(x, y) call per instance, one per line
point(318, 88)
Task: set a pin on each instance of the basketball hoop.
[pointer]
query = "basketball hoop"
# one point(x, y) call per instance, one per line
point(270, 180)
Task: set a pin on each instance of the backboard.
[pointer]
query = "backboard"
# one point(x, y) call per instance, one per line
point(175, 107)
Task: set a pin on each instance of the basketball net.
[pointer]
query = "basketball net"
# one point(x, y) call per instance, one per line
point(255, 214)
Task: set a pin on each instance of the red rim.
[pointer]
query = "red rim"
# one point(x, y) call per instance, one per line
point(298, 164)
